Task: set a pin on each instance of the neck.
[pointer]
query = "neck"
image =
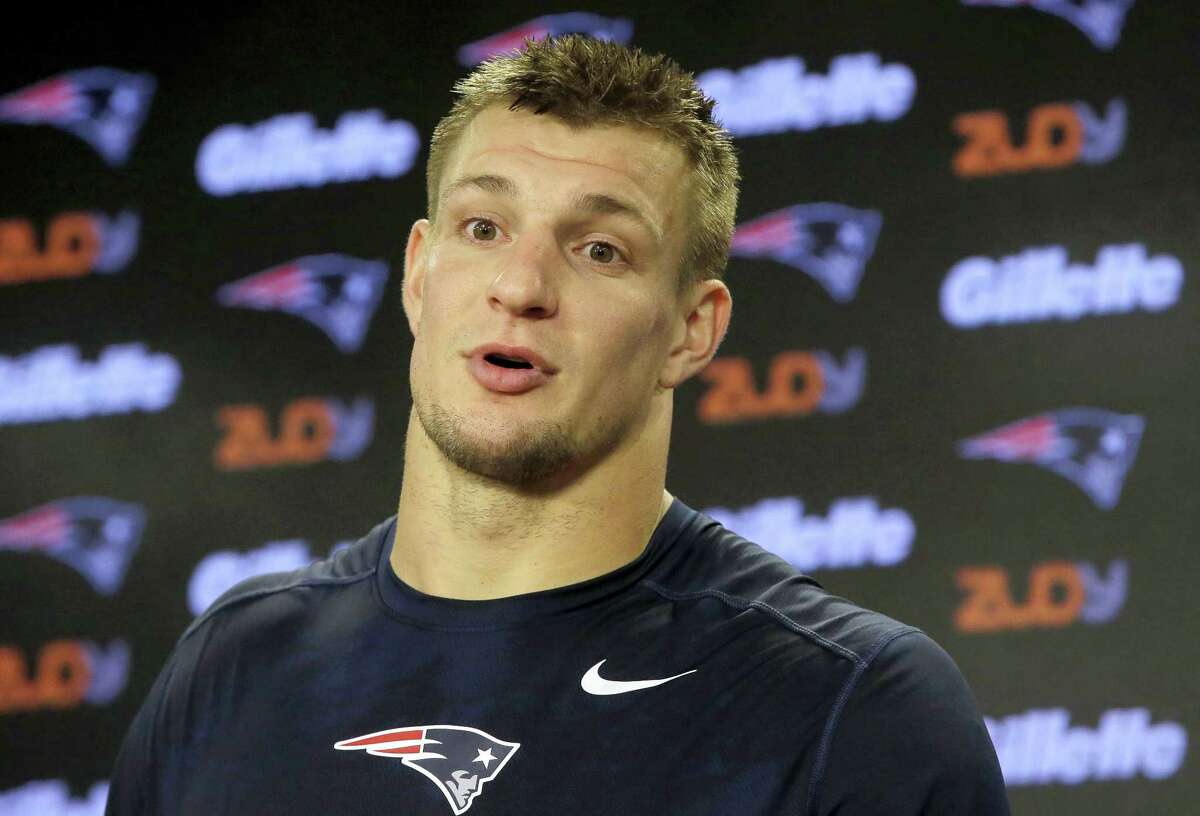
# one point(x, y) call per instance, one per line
point(460, 535)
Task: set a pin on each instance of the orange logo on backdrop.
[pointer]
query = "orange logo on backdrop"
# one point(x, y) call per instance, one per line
point(310, 429)
point(1056, 595)
point(795, 384)
point(306, 432)
point(1060, 593)
point(1056, 134)
point(71, 249)
point(61, 678)
point(76, 243)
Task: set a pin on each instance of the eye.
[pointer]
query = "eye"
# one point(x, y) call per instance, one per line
point(602, 253)
point(483, 229)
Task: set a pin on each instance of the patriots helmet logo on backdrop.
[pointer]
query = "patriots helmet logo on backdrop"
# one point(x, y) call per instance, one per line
point(1092, 447)
point(103, 106)
point(336, 293)
point(94, 535)
point(831, 243)
point(1100, 21)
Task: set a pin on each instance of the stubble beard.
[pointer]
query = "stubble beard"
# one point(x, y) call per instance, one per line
point(541, 453)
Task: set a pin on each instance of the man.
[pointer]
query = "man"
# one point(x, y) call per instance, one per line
point(542, 628)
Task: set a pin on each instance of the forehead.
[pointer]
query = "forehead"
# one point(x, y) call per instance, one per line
point(640, 160)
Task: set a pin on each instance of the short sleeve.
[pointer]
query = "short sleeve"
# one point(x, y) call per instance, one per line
point(908, 739)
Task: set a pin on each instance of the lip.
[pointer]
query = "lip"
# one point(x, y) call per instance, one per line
point(523, 352)
point(505, 380)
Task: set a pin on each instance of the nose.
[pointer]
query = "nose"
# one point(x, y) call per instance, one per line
point(526, 284)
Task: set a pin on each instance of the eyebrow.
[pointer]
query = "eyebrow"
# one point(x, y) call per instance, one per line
point(596, 203)
point(499, 185)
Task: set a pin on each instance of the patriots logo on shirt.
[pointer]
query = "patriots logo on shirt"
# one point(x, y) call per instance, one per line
point(1092, 447)
point(829, 242)
point(336, 293)
point(103, 106)
point(95, 536)
point(456, 758)
point(616, 29)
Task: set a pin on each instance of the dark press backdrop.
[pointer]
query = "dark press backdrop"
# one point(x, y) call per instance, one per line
point(956, 385)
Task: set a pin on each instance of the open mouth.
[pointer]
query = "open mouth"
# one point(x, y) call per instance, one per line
point(507, 362)
point(502, 374)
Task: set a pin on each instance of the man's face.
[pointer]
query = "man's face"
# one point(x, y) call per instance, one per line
point(567, 242)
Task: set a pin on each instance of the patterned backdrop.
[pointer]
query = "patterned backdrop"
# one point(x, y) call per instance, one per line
point(955, 388)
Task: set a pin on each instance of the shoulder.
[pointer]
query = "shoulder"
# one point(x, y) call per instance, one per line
point(719, 564)
point(260, 612)
point(909, 725)
point(275, 597)
point(901, 730)
point(883, 651)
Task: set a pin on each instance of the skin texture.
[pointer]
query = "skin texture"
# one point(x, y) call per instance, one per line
point(505, 494)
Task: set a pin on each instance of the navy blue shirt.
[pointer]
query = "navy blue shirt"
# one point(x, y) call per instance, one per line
point(707, 676)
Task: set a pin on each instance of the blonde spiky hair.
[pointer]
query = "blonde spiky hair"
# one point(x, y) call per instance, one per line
point(585, 81)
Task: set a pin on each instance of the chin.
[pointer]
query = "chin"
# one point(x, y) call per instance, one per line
point(495, 448)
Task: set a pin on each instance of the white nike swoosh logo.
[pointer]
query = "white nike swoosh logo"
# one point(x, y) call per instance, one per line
point(593, 683)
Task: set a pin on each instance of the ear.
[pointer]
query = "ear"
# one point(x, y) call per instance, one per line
point(415, 262)
point(698, 332)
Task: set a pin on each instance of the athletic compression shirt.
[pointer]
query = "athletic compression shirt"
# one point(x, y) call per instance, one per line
point(705, 677)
